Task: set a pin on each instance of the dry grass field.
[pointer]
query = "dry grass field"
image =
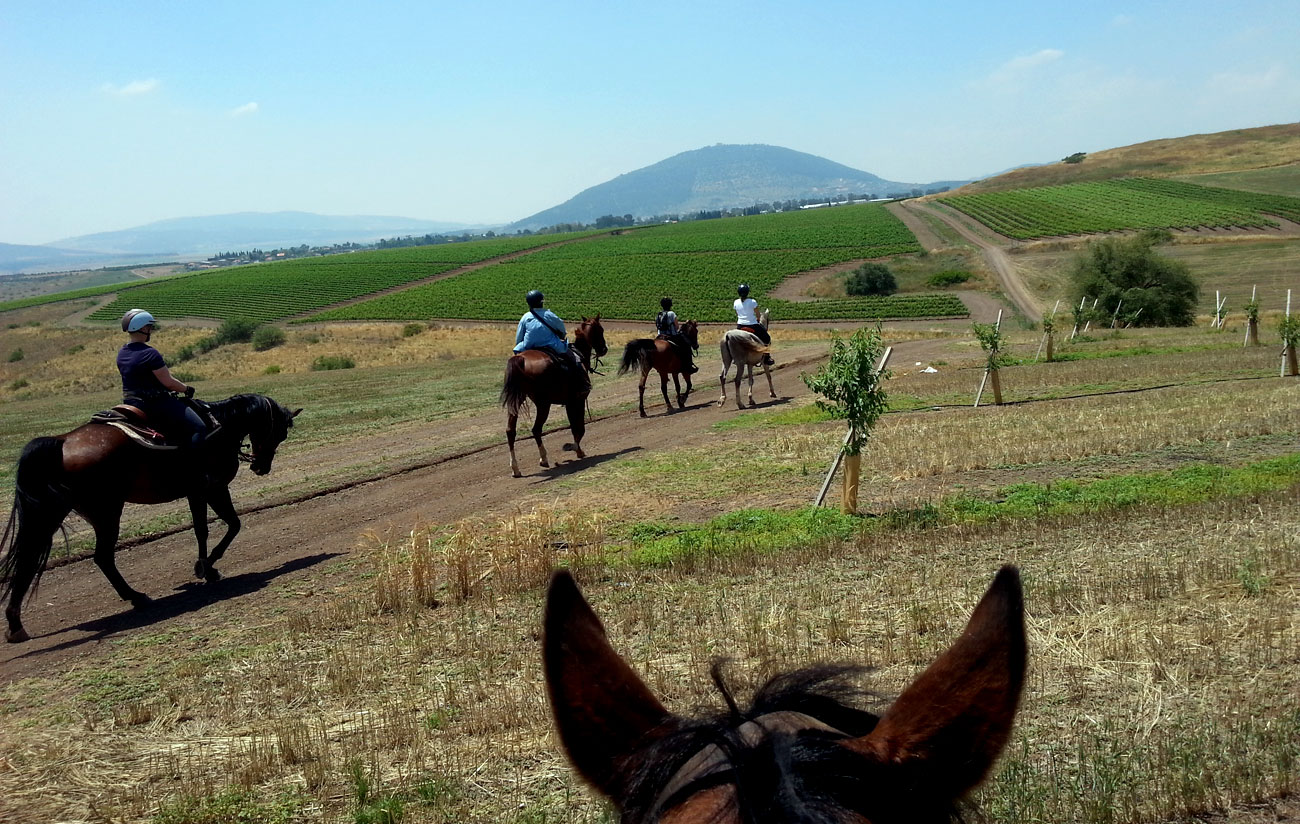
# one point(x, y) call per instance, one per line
point(1149, 489)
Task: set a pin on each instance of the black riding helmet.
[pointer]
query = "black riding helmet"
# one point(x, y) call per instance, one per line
point(666, 303)
point(743, 290)
point(535, 299)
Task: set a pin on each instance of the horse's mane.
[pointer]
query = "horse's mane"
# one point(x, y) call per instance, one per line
point(804, 778)
point(244, 404)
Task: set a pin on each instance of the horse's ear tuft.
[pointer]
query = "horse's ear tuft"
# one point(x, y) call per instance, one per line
point(603, 710)
point(949, 726)
point(584, 318)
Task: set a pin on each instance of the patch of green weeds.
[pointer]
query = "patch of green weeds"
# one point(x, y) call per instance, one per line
point(746, 530)
point(784, 417)
point(229, 807)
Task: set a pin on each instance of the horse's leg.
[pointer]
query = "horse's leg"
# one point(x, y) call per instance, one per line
point(107, 523)
point(750, 368)
point(199, 517)
point(577, 410)
point(30, 550)
point(511, 421)
point(677, 387)
point(771, 389)
point(726, 367)
point(663, 388)
point(645, 373)
point(219, 500)
point(543, 411)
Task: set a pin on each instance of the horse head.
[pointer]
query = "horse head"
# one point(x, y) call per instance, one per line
point(593, 334)
point(269, 425)
point(800, 752)
point(691, 331)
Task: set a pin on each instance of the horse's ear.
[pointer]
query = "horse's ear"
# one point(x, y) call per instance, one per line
point(602, 708)
point(947, 728)
point(295, 413)
point(584, 318)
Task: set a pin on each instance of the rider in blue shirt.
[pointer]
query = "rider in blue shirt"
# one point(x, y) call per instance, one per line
point(540, 328)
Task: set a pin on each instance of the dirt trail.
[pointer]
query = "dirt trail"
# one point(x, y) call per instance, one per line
point(76, 618)
point(997, 258)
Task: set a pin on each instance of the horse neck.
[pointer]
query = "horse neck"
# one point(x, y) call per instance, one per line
point(239, 415)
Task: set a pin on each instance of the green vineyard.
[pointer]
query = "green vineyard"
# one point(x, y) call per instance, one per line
point(267, 292)
point(699, 264)
point(1115, 205)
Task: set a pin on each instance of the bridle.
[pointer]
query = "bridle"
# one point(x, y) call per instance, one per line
point(248, 454)
point(711, 766)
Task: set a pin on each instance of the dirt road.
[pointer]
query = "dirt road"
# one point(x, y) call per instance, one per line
point(994, 254)
point(76, 618)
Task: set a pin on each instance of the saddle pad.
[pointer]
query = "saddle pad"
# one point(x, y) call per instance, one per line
point(143, 435)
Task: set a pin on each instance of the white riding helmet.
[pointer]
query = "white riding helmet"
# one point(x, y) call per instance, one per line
point(136, 319)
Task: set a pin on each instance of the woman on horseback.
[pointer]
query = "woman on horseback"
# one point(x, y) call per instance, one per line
point(667, 327)
point(148, 384)
point(747, 318)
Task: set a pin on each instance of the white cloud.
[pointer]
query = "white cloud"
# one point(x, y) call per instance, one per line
point(1011, 75)
point(244, 110)
point(1228, 84)
point(132, 89)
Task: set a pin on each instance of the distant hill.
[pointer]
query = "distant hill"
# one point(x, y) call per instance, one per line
point(719, 177)
point(210, 235)
point(1238, 150)
point(17, 257)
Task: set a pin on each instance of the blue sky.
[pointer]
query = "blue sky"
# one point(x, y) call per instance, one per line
point(116, 114)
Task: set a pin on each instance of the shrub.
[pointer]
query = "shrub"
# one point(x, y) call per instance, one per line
point(1130, 270)
point(273, 369)
point(19, 383)
point(72, 350)
point(871, 279)
point(15, 355)
point(412, 329)
point(327, 363)
point(949, 277)
point(267, 337)
point(236, 330)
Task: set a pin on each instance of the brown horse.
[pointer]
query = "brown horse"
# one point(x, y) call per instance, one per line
point(96, 468)
point(801, 753)
point(533, 375)
point(660, 355)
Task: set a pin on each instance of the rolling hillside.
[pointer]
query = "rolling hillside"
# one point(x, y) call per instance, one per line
point(1239, 150)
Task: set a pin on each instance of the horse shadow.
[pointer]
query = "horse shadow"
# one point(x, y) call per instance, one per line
point(569, 467)
point(189, 597)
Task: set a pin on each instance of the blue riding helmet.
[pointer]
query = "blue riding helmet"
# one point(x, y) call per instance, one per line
point(136, 319)
point(535, 299)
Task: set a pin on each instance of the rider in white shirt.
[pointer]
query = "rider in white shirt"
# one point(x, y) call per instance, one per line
point(747, 318)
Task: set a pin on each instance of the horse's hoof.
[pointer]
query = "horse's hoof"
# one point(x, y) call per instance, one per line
point(18, 636)
point(141, 601)
point(213, 576)
point(643, 414)
point(200, 569)
point(516, 474)
point(544, 464)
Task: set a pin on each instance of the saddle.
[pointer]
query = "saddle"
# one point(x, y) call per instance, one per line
point(132, 421)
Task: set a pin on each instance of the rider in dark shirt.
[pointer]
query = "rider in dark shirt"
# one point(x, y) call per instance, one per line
point(147, 384)
point(668, 329)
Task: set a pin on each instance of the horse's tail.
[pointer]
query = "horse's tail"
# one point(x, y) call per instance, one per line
point(513, 394)
point(36, 497)
point(633, 353)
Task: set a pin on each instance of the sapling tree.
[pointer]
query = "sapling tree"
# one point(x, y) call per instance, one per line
point(992, 342)
point(1289, 329)
point(1252, 321)
point(854, 392)
point(1049, 326)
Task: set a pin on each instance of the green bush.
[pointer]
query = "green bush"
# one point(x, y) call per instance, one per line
point(236, 330)
point(949, 277)
point(327, 363)
point(18, 383)
point(273, 369)
point(412, 329)
point(871, 279)
point(267, 337)
point(15, 355)
point(1131, 271)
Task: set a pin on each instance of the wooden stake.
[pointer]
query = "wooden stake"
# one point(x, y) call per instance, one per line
point(997, 393)
point(1252, 325)
point(852, 468)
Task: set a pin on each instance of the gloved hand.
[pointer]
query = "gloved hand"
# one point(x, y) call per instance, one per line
point(189, 391)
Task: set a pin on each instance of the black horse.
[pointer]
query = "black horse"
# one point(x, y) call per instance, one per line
point(96, 468)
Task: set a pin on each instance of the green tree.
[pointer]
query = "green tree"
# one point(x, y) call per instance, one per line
point(871, 279)
point(1289, 330)
point(1132, 271)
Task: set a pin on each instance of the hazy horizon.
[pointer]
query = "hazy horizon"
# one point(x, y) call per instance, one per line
point(127, 114)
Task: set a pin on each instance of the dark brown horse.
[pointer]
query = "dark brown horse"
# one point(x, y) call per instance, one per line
point(96, 468)
point(533, 375)
point(801, 752)
point(660, 355)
